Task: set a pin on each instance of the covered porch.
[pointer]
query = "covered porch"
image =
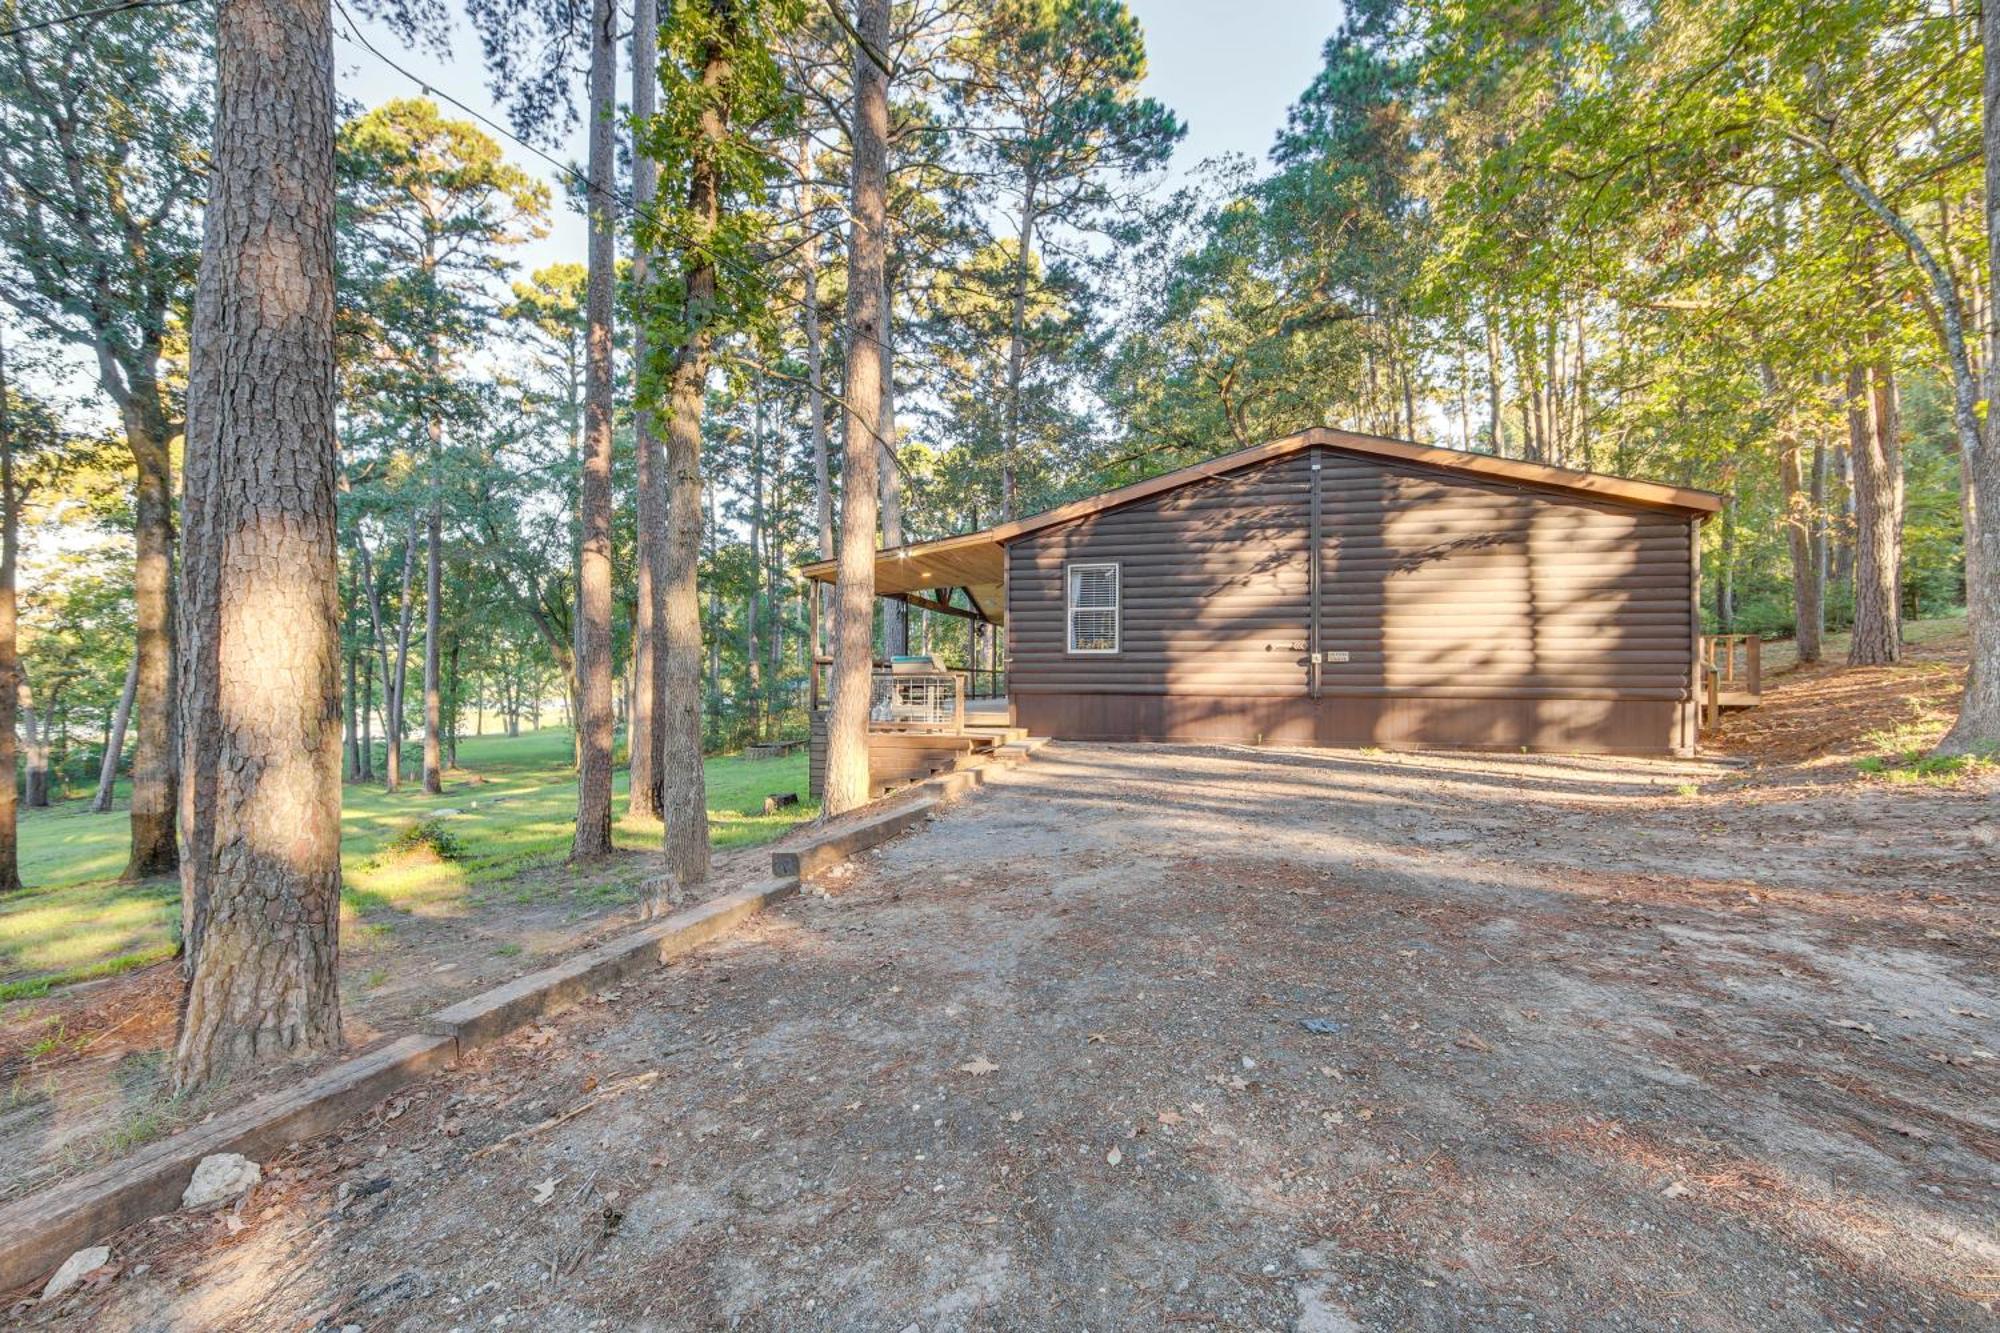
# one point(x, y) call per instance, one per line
point(944, 702)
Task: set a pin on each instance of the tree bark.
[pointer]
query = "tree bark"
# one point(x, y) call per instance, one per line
point(1495, 394)
point(753, 663)
point(397, 683)
point(1725, 557)
point(155, 779)
point(1878, 516)
point(594, 723)
point(684, 789)
point(895, 611)
point(649, 660)
point(367, 770)
point(815, 387)
point(114, 743)
point(1010, 442)
point(35, 785)
point(351, 719)
point(10, 646)
point(433, 632)
point(847, 776)
point(1977, 729)
point(1801, 520)
point(260, 641)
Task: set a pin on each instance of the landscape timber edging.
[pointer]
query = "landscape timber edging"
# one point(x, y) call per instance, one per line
point(831, 848)
point(494, 1013)
point(41, 1230)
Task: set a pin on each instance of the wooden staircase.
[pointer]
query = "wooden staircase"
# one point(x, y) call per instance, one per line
point(898, 758)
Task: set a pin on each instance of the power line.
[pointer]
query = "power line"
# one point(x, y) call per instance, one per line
point(81, 15)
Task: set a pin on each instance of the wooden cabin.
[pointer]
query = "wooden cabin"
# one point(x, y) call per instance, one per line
point(1336, 589)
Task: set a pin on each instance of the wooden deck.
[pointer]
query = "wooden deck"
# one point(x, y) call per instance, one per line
point(897, 758)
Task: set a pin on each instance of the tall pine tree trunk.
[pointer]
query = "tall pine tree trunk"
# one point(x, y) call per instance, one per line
point(1010, 441)
point(1978, 726)
point(260, 642)
point(753, 662)
point(399, 683)
point(114, 743)
point(433, 630)
point(155, 776)
point(367, 718)
point(684, 789)
point(649, 660)
point(10, 647)
point(594, 723)
point(350, 721)
point(895, 611)
point(1495, 388)
point(1878, 516)
point(815, 391)
point(847, 777)
point(35, 783)
point(1801, 526)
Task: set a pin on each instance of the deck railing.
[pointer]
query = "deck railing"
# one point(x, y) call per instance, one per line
point(1732, 672)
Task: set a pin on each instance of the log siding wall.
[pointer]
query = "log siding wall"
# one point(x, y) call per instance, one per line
point(1471, 613)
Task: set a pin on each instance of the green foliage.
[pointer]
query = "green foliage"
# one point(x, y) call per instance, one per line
point(103, 128)
point(732, 125)
point(428, 838)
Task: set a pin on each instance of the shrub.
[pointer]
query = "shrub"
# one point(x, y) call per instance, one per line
point(428, 839)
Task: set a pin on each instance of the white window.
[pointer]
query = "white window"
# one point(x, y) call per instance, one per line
point(1093, 608)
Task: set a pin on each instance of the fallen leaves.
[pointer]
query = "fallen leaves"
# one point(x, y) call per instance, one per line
point(542, 1193)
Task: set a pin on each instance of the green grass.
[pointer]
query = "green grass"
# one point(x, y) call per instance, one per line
point(76, 921)
point(1915, 767)
point(1782, 655)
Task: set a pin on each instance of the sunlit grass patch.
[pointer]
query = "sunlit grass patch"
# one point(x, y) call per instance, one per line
point(1916, 767)
point(506, 816)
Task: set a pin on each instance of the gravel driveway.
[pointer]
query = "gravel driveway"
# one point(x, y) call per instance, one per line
point(1165, 1037)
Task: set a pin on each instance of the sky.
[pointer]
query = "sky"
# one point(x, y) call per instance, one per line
point(1229, 70)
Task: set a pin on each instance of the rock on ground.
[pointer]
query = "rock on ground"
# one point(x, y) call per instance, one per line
point(73, 1269)
point(220, 1177)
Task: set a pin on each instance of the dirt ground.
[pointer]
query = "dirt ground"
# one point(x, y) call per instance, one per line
point(82, 1071)
point(1163, 1037)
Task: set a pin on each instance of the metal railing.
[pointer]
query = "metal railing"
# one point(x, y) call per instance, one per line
point(984, 682)
point(917, 701)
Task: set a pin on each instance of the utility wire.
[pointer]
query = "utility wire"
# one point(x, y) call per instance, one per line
point(570, 173)
point(61, 19)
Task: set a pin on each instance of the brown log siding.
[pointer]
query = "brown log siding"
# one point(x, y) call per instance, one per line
point(1471, 613)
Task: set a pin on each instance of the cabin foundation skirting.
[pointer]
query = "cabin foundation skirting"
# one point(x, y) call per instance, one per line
point(1557, 725)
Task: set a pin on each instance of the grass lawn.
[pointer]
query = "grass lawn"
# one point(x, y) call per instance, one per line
point(1783, 654)
point(510, 808)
